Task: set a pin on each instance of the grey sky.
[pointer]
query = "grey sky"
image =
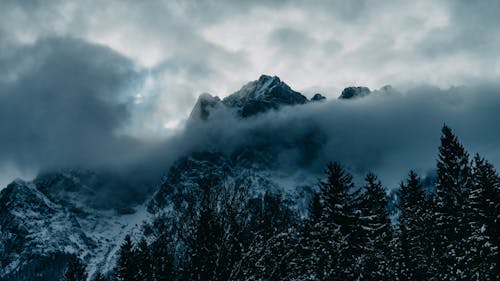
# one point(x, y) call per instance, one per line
point(74, 74)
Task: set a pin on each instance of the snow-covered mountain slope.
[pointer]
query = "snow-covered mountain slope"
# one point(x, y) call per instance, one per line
point(36, 224)
point(262, 95)
point(182, 186)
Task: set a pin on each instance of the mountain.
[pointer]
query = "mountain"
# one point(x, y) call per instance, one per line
point(81, 212)
point(354, 92)
point(262, 95)
point(43, 221)
point(259, 96)
point(204, 105)
point(318, 97)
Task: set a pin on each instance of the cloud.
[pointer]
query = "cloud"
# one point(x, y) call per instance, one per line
point(66, 103)
point(63, 101)
point(291, 40)
point(387, 132)
point(217, 46)
point(125, 74)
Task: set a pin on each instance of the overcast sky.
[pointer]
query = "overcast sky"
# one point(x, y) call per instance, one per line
point(83, 78)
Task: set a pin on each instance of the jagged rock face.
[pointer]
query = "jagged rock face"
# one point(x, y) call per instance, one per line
point(262, 95)
point(187, 176)
point(32, 226)
point(354, 92)
point(81, 188)
point(70, 189)
point(318, 97)
point(43, 221)
point(182, 188)
point(205, 104)
point(256, 97)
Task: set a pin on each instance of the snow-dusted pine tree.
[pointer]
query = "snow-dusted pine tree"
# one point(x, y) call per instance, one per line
point(340, 226)
point(126, 267)
point(144, 261)
point(376, 229)
point(450, 217)
point(483, 252)
point(412, 230)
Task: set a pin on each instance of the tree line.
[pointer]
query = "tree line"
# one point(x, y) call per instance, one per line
point(451, 232)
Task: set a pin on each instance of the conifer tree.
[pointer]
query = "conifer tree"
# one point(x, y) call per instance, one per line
point(126, 267)
point(451, 202)
point(233, 216)
point(342, 245)
point(412, 230)
point(483, 255)
point(272, 217)
point(143, 261)
point(270, 254)
point(376, 229)
point(162, 259)
point(309, 261)
point(76, 270)
point(205, 258)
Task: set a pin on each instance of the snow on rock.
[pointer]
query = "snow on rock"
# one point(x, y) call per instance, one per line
point(262, 95)
point(255, 97)
point(33, 226)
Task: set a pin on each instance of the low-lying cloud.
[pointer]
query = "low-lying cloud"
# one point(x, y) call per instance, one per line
point(387, 132)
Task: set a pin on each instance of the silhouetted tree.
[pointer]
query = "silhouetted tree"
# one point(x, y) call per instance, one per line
point(483, 254)
point(206, 243)
point(451, 219)
point(341, 246)
point(126, 267)
point(412, 230)
point(143, 261)
point(76, 270)
point(376, 230)
point(309, 263)
point(162, 259)
point(269, 256)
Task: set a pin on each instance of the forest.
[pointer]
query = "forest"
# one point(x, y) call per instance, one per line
point(450, 231)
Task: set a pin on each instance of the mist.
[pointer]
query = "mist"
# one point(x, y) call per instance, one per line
point(387, 132)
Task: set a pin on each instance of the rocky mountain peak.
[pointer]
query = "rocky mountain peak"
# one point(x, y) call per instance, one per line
point(318, 97)
point(204, 105)
point(268, 92)
point(264, 94)
point(354, 92)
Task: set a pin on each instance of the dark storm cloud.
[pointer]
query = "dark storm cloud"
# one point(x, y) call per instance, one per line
point(62, 103)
